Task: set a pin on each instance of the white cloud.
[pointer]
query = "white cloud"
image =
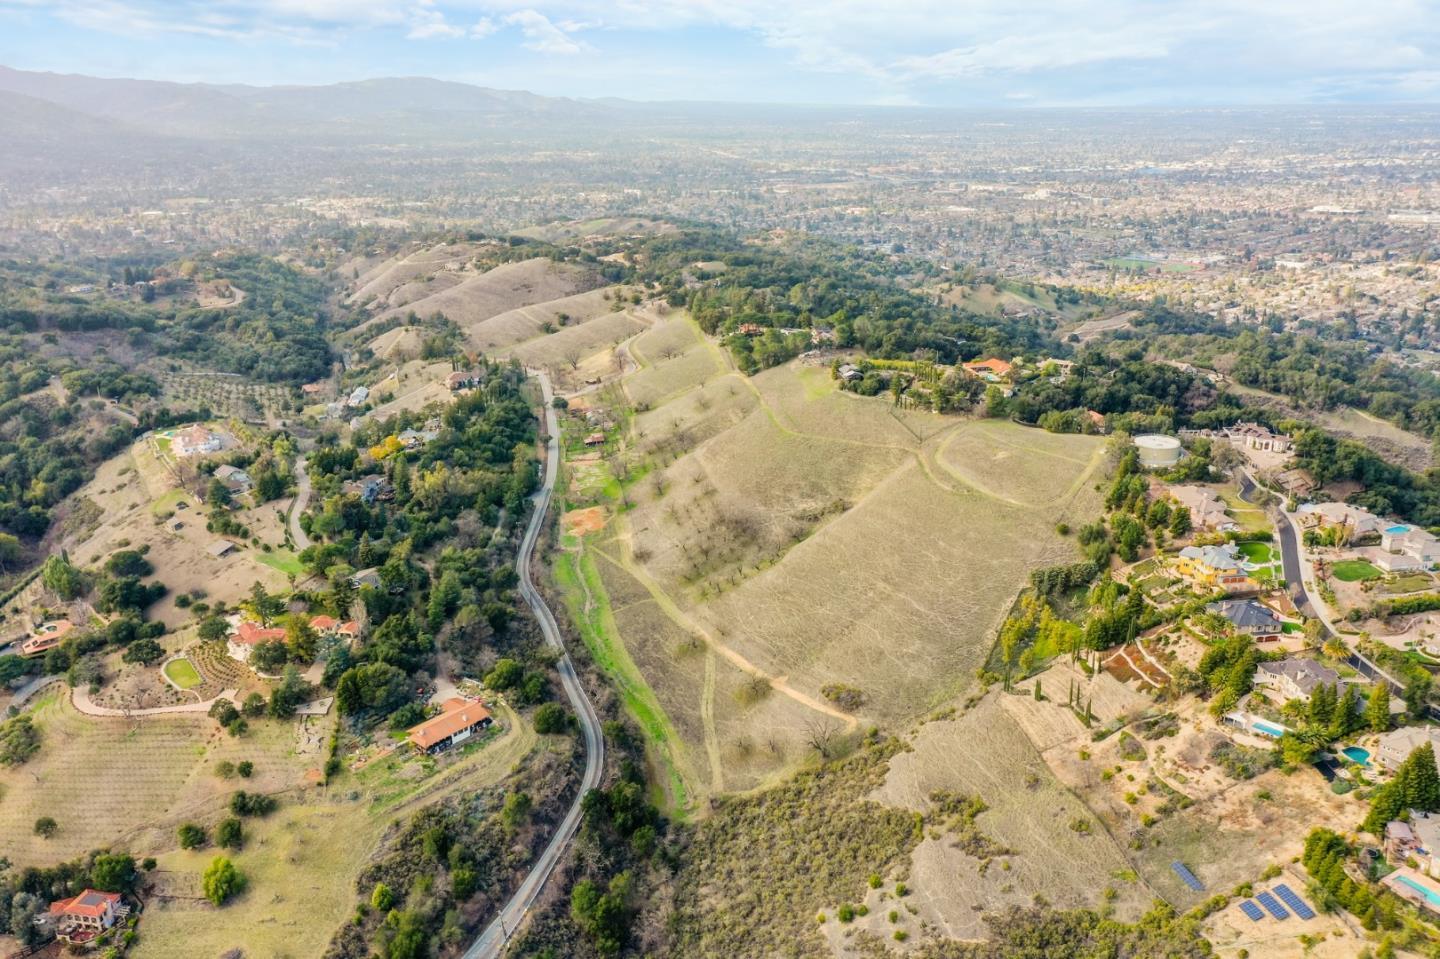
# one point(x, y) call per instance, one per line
point(542, 35)
point(887, 49)
point(1038, 51)
point(427, 23)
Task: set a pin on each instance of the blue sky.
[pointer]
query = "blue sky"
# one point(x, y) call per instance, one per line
point(929, 52)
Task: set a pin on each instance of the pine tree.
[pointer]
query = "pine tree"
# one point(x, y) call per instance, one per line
point(1386, 804)
point(1322, 705)
point(1421, 780)
point(1345, 717)
point(1377, 710)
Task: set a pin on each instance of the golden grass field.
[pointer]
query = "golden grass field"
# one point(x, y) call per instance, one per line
point(412, 274)
point(479, 296)
point(528, 322)
point(131, 782)
point(129, 494)
point(782, 536)
point(301, 861)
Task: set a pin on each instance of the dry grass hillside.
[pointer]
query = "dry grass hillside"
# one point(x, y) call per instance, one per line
point(779, 561)
point(411, 275)
point(480, 296)
point(135, 501)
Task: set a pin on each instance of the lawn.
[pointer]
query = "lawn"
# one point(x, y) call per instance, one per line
point(1252, 519)
point(1354, 570)
point(1140, 263)
point(1262, 553)
point(183, 673)
point(1409, 583)
point(168, 502)
point(283, 560)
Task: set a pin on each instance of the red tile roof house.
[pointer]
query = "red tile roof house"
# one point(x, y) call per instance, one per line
point(457, 722)
point(247, 636)
point(46, 637)
point(994, 367)
point(464, 379)
point(87, 916)
point(330, 626)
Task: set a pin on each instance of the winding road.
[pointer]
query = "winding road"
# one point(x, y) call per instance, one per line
point(301, 503)
point(491, 943)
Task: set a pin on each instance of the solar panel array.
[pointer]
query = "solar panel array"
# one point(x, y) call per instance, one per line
point(1296, 904)
point(1271, 906)
point(1187, 876)
point(1251, 910)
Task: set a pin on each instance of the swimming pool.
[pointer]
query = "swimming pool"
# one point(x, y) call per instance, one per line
point(1431, 896)
point(1357, 755)
point(1397, 530)
point(1269, 729)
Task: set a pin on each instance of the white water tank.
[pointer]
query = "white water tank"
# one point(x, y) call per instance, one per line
point(1157, 450)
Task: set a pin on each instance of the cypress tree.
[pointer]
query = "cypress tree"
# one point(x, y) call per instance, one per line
point(1377, 710)
point(1421, 780)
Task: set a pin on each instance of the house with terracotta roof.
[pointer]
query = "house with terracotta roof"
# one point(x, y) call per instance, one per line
point(46, 637)
point(86, 916)
point(992, 370)
point(459, 719)
point(464, 380)
point(330, 626)
point(247, 635)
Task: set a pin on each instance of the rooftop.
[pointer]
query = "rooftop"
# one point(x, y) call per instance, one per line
point(455, 715)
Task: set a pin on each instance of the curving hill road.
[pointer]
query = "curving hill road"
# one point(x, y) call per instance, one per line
point(491, 942)
point(301, 503)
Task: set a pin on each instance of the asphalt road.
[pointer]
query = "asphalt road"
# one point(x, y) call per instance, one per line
point(1290, 562)
point(302, 501)
point(491, 942)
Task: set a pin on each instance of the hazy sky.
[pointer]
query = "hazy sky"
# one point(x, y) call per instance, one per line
point(934, 52)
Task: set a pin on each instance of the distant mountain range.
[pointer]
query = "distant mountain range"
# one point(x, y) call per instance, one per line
point(389, 106)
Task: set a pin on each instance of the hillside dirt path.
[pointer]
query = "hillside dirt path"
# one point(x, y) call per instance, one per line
point(707, 718)
point(80, 697)
point(668, 606)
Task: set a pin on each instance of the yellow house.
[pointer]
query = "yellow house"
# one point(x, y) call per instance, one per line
point(1219, 567)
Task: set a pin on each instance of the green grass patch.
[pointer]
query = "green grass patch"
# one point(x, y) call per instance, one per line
point(1408, 583)
point(576, 574)
point(168, 502)
point(1258, 552)
point(1251, 518)
point(1354, 570)
point(283, 560)
point(183, 673)
point(1140, 263)
point(1292, 628)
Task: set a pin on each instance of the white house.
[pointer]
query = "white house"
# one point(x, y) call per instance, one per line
point(1412, 543)
point(1294, 678)
point(1207, 511)
point(1397, 745)
point(1355, 520)
point(195, 440)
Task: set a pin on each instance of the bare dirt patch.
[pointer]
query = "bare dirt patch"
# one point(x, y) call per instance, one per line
point(579, 522)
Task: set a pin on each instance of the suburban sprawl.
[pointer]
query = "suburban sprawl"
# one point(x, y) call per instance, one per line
point(545, 533)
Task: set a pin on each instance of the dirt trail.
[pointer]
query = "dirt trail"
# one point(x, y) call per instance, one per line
point(707, 717)
point(668, 606)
